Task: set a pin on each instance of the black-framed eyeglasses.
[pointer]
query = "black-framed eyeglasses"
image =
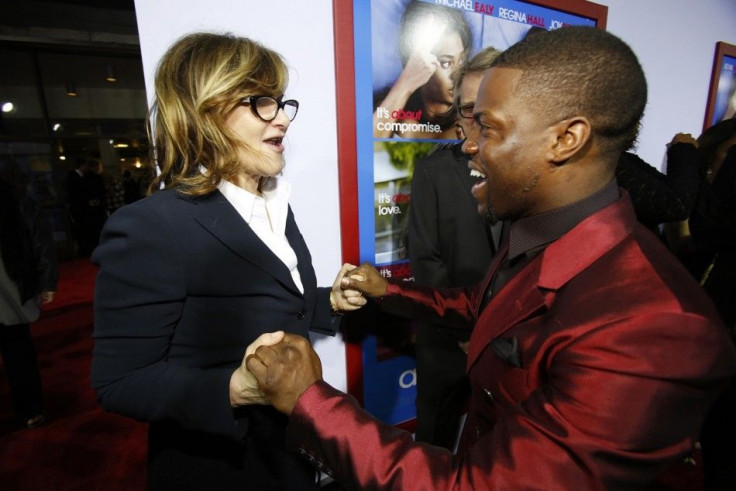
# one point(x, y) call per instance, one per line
point(266, 107)
point(466, 110)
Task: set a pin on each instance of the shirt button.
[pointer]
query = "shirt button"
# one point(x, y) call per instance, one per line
point(489, 394)
point(301, 315)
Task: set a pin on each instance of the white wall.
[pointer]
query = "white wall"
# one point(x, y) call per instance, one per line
point(674, 39)
point(675, 42)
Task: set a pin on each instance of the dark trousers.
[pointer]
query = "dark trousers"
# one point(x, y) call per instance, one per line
point(719, 442)
point(442, 386)
point(184, 460)
point(21, 366)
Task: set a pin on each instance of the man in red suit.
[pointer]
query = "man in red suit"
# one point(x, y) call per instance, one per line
point(593, 357)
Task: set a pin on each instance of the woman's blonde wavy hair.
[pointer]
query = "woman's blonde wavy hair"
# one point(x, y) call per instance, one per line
point(200, 79)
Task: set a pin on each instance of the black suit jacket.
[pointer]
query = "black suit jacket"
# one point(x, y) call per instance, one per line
point(449, 242)
point(75, 191)
point(184, 286)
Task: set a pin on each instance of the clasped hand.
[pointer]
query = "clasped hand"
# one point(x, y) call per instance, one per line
point(342, 297)
point(279, 367)
point(285, 369)
point(244, 388)
point(366, 280)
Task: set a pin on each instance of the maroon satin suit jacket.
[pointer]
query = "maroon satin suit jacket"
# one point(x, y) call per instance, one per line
point(593, 368)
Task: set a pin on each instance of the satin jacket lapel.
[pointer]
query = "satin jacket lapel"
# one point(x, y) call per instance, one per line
point(533, 288)
point(516, 301)
point(582, 246)
point(217, 215)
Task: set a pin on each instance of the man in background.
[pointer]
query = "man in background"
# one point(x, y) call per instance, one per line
point(77, 195)
point(450, 245)
point(87, 204)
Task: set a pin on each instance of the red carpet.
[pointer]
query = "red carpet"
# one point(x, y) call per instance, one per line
point(81, 447)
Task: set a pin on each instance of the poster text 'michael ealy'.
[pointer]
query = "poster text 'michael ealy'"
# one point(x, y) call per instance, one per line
point(488, 9)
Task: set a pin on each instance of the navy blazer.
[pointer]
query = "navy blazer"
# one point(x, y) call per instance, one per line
point(184, 286)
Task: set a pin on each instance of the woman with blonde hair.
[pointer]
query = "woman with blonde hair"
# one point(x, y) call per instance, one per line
point(211, 260)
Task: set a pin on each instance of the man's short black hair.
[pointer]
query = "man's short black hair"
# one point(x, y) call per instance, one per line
point(582, 71)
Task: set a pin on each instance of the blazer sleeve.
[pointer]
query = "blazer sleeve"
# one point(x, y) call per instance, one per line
point(684, 164)
point(139, 295)
point(660, 198)
point(610, 417)
point(423, 234)
point(324, 321)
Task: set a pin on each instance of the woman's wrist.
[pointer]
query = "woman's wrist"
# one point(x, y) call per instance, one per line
point(334, 310)
point(244, 390)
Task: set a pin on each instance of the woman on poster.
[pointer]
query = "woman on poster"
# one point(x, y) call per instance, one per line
point(433, 42)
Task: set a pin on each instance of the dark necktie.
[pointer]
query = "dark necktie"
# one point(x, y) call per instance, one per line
point(500, 263)
point(500, 271)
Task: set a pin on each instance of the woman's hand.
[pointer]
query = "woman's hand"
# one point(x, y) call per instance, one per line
point(345, 300)
point(243, 385)
point(366, 279)
point(286, 370)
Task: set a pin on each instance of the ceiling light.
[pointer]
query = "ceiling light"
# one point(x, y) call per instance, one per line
point(111, 74)
point(56, 127)
point(121, 145)
point(8, 107)
point(62, 157)
point(71, 89)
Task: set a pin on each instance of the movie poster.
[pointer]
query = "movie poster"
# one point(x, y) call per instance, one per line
point(403, 110)
point(725, 104)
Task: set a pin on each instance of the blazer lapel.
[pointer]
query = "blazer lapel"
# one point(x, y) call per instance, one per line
point(533, 288)
point(215, 213)
point(516, 301)
point(304, 258)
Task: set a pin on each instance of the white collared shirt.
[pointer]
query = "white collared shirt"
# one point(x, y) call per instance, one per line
point(266, 215)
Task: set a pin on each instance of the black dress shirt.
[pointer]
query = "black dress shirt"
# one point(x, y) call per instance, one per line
point(529, 236)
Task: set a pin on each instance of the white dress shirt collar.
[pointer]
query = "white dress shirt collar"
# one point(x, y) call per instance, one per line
point(276, 200)
point(266, 215)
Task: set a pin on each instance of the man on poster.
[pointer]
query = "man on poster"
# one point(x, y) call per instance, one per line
point(594, 357)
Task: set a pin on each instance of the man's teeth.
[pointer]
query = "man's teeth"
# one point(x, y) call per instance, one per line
point(476, 173)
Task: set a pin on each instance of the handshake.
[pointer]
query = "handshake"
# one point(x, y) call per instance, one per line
point(278, 367)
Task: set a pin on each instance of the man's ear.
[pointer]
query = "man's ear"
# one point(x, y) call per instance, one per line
point(459, 132)
point(571, 135)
